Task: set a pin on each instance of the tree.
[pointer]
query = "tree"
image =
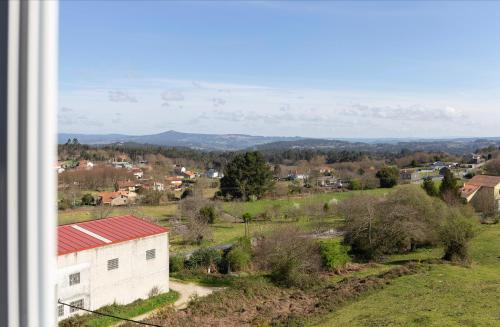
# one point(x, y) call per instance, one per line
point(449, 186)
point(245, 176)
point(430, 187)
point(493, 167)
point(388, 177)
point(247, 218)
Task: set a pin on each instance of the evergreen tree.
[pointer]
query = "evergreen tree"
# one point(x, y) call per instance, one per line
point(246, 176)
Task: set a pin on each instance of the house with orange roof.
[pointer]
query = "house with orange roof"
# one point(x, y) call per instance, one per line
point(119, 198)
point(483, 192)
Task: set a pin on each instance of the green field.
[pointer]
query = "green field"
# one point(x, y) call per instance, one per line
point(257, 207)
point(222, 231)
point(445, 295)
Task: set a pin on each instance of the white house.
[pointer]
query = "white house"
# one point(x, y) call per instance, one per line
point(212, 173)
point(112, 260)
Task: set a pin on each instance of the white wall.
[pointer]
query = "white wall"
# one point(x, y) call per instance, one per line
point(134, 278)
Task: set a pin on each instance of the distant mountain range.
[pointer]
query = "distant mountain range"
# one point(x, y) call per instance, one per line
point(225, 142)
point(233, 142)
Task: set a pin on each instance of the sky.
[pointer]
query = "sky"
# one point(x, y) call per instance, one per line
point(313, 69)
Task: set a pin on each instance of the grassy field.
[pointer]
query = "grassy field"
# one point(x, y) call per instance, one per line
point(445, 295)
point(257, 207)
point(222, 231)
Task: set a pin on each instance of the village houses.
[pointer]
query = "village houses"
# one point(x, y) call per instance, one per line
point(112, 260)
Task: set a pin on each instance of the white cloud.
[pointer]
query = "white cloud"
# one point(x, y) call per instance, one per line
point(209, 107)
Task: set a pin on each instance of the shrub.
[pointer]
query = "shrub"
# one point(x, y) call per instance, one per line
point(205, 258)
point(355, 184)
point(208, 213)
point(334, 254)
point(238, 259)
point(176, 263)
point(404, 220)
point(290, 258)
point(240, 256)
point(88, 199)
point(430, 187)
point(455, 236)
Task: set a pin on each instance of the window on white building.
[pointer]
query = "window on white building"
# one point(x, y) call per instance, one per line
point(60, 310)
point(113, 264)
point(75, 305)
point(150, 254)
point(74, 279)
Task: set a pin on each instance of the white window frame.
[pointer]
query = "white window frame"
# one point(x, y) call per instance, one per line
point(28, 129)
point(76, 303)
point(60, 310)
point(74, 279)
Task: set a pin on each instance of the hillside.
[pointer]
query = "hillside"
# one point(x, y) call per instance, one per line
point(173, 138)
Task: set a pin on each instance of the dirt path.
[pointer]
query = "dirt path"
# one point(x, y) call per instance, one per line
point(186, 292)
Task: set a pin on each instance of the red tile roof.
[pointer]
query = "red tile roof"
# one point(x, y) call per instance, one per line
point(73, 238)
point(484, 180)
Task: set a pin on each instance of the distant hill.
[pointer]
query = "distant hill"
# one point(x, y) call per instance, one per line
point(233, 142)
point(172, 138)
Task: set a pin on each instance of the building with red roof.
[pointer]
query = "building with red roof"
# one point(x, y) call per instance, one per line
point(483, 192)
point(111, 260)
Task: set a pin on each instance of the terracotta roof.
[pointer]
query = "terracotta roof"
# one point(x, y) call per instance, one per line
point(108, 196)
point(468, 190)
point(96, 233)
point(484, 180)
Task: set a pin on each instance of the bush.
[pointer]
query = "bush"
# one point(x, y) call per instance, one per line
point(403, 221)
point(152, 197)
point(240, 256)
point(354, 185)
point(176, 263)
point(334, 254)
point(205, 258)
point(64, 204)
point(455, 236)
point(430, 187)
point(88, 199)
point(290, 258)
point(208, 213)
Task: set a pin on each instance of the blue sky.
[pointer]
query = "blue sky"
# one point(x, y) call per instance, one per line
point(319, 69)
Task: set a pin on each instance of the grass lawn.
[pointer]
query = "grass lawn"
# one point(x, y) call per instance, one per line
point(445, 295)
point(128, 311)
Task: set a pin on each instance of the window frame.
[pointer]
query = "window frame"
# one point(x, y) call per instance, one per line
point(75, 276)
point(74, 304)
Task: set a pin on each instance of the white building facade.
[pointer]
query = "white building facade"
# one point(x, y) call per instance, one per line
point(117, 260)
